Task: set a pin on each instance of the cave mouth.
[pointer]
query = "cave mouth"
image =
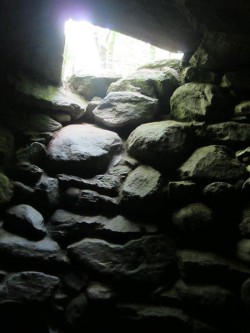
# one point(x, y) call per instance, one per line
point(92, 50)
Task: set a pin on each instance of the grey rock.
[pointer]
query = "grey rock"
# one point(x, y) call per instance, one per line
point(245, 292)
point(237, 80)
point(163, 64)
point(207, 296)
point(75, 282)
point(150, 82)
point(50, 97)
point(246, 186)
point(21, 253)
point(162, 144)
point(243, 155)
point(194, 222)
point(90, 86)
point(229, 133)
point(6, 189)
point(99, 292)
point(220, 50)
point(27, 173)
point(242, 109)
point(103, 184)
point(200, 75)
point(35, 153)
point(243, 250)
point(25, 221)
point(7, 143)
point(60, 116)
point(124, 111)
point(66, 227)
point(130, 262)
point(183, 189)
point(170, 317)
point(47, 191)
point(82, 150)
point(88, 115)
point(201, 102)
point(219, 192)
point(245, 222)
point(198, 266)
point(76, 310)
point(142, 189)
point(212, 163)
point(28, 287)
point(23, 193)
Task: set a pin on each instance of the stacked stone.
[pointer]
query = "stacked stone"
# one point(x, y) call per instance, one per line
point(130, 211)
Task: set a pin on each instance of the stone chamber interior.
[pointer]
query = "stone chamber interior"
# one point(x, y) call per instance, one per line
point(125, 202)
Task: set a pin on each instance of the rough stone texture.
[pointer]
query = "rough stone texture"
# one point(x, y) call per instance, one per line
point(82, 150)
point(34, 153)
point(66, 227)
point(150, 82)
point(243, 250)
point(197, 266)
point(90, 86)
point(131, 262)
point(26, 221)
point(194, 222)
point(200, 75)
point(125, 110)
point(207, 296)
point(170, 317)
point(27, 173)
point(214, 163)
point(142, 188)
point(228, 133)
point(7, 143)
point(48, 97)
point(6, 189)
point(162, 144)
point(245, 222)
point(19, 252)
point(47, 191)
point(99, 292)
point(242, 109)
point(219, 193)
point(76, 310)
point(28, 287)
point(201, 102)
point(103, 184)
point(182, 189)
point(243, 155)
point(163, 64)
point(239, 80)
point(220, 50)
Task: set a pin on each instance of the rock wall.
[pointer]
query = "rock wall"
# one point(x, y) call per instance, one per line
point(128, 211)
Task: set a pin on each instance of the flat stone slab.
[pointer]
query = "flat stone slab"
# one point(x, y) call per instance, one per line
point(82, 150)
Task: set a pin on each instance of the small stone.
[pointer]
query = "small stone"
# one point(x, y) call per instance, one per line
point(243, 155)
point(76, 311)
point(182, 189)
point(99, 292)
point(47, 191)
point(75, 282)
point(35, 153)
point(6, 189)
point(243, 250)
point(27, 173)
point(237, 80)
point(26, 221)
point(219, 192)
point(242, 109)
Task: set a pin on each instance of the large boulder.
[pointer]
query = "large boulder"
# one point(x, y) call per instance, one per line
point(49, 97)
point(229, 133)
point(212, 163)
point(150, 82)
point(82, 150)
point(26, 221)
point(7, 143)
point(132, 261)
point(124, 111)
point(142, 189)
point(201, 102)
point(162, 144)
point(28, 287)
point(6, 189)
point(219, 50)
point(90, 86)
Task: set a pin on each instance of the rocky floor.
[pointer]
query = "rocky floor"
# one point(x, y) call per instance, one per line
point(127, 212)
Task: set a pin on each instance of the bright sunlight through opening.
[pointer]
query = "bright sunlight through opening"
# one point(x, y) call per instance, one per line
point(97, 51)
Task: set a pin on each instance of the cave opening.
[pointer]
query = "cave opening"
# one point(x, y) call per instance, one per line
point(93, 50)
